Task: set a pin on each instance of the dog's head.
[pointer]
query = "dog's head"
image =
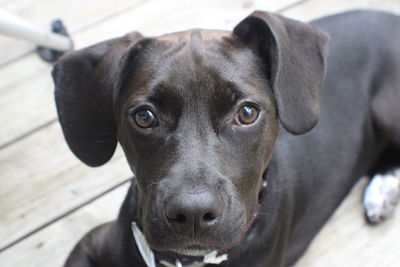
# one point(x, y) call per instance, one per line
point(197, 114)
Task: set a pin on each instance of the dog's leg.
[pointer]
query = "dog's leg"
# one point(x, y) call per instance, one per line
point(381, 196)
point(85, 253)
point(382, 193)
point(79, 258)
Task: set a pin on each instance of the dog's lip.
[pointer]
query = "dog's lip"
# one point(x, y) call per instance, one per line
point(253, 216)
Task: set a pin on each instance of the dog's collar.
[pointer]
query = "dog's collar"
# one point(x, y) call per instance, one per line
point(150, 259)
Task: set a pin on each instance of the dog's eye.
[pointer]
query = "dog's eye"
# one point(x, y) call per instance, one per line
point(144, 118)
point(247, 114)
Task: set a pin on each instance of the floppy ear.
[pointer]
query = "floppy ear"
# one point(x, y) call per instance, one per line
point(295, 55)
point(84, 93)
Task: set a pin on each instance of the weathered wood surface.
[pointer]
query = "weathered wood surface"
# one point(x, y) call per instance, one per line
point(51, 246)
point(41, 181)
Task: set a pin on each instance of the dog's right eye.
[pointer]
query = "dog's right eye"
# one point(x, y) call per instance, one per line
point(145, 118)
point(247, 114)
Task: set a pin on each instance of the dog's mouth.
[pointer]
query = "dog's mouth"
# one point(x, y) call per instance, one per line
point(221, 240)
point(195, 249)
point(231, 232)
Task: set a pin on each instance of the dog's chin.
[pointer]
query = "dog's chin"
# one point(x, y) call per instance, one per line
point(197, 248)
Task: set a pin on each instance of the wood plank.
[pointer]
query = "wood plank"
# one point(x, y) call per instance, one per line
point(76, 14)
point(42, 180)
point(348, 241)
point(26, 83)
point(315, 9)
point(40, 167)
point(51, 246)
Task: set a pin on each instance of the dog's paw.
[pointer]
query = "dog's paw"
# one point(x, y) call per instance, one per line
point(381, 196)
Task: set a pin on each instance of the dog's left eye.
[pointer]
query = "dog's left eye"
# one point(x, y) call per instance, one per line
point(144, 118)
point(247, 114)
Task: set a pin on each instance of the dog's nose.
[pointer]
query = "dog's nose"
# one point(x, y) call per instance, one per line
point(193, 213)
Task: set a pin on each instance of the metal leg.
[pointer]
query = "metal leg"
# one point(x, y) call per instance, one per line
point(51, 55)
point(51, 45)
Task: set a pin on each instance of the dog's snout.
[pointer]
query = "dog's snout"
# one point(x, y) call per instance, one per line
point(191, 214)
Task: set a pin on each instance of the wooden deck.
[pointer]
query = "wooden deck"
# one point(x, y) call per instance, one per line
point(48, 199)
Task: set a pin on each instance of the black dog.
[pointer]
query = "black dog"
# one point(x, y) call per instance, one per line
point(208, 118)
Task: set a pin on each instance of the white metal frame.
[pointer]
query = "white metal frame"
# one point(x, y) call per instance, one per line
point(14, 26)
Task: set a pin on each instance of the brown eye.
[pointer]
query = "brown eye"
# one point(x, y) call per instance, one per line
point(144, 118)
point(248, 114)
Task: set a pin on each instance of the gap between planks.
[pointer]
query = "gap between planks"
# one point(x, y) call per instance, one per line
point(67, 213)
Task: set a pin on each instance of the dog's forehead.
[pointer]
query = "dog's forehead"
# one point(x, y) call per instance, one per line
point(195, 53)
point(203, 34)
point(209, 65)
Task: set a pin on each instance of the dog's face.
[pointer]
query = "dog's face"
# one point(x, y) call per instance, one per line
point(197, 114)
point(198, 127)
